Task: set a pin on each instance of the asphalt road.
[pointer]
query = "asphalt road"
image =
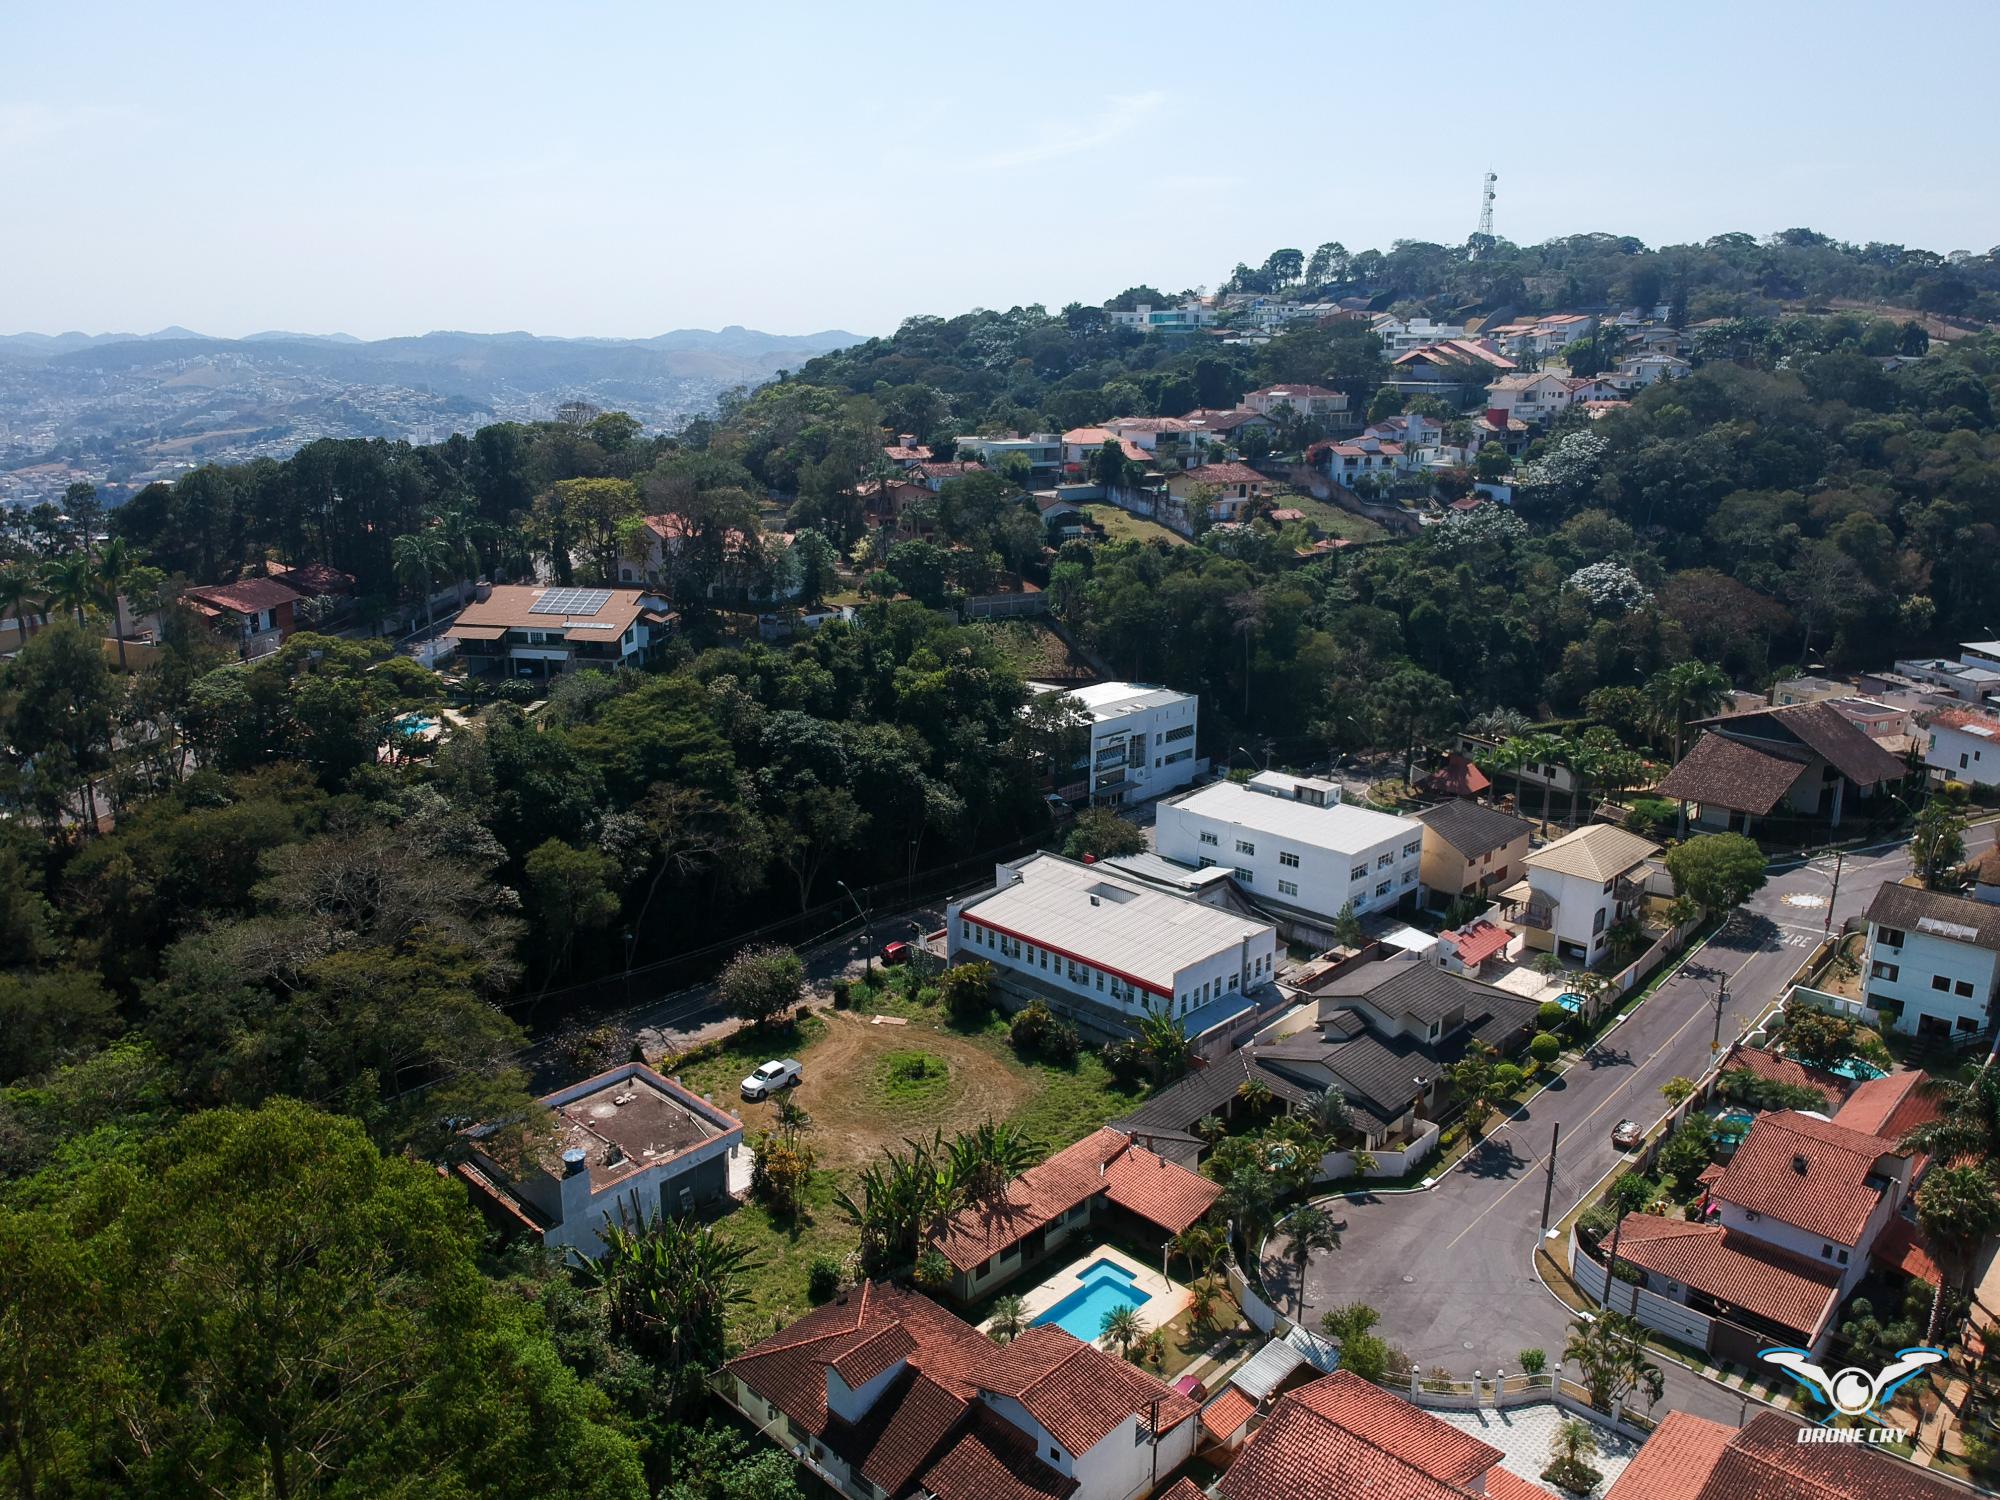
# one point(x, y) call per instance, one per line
point(1451, 1270)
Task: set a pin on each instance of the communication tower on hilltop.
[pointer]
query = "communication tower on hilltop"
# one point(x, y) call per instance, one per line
point(1486, 206)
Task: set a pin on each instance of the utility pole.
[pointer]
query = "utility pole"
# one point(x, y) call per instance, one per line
point(1721, 999)
point(1549, 1187)
point(1834, 899)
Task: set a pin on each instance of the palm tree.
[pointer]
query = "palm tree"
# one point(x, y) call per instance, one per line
point(1312, 1229)
point(1211, 1128)
point(1203, 1293)
point(1122, 1327)
point(669, 1286)
point(1968, 1119)
point(1329, 1114)
point(1009, 1318)
point(1254, 1095)
point(18, 590)
point(416, 557)
point(1509, 755)
point(72, 584)
point(1687, 690)
point(1249, 1201)
point(115, 567)
point(1543, 751)
point(1201, 1245)
point(1166, 1045)
point(1958, 1210)
point(981, 1161)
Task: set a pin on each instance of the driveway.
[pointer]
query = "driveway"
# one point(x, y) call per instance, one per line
point(1451, 1270)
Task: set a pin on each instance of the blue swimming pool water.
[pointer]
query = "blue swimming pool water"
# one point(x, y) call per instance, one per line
point(1570, 1002)
point(1101, 1287)
point(1858, 1070)
point(413, 724)
point(1734, 1124)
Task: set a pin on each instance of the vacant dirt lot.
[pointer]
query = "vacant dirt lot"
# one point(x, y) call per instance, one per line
point(853, 1119)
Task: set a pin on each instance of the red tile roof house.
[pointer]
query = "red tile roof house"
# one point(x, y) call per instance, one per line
point(1800, 1207)
point(628, 1143)
point(1235, 486)
point(252, 614)
point(1341, 1438)
point(1692, 1458)
point(1101, 1176)
point(883, 1393)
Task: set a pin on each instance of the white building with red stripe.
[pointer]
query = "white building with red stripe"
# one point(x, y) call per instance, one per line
point(1094, 939)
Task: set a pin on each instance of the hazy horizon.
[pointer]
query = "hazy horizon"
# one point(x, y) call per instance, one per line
point(235, 169)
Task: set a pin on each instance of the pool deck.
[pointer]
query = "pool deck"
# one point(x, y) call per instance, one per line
point(1165, 1300)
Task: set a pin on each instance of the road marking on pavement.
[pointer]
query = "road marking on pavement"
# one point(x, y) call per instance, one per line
point(1704, 1014)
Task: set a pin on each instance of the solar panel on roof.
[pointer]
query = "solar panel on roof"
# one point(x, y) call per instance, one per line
point(570, 602)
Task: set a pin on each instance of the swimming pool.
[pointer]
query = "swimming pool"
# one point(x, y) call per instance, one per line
point(415, 724)
point(1570, 1001)
point(1102, 1287)
point(1733, 1124)
point(1858, 1070)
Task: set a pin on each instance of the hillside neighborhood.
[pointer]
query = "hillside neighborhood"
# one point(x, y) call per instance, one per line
point(1381, 880)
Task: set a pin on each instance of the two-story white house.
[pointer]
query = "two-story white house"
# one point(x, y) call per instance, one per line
point(1934, 959)
point(1964, 746)
point(1111, 948)
point(1578, 888)
point(1314, 401)
point(1043, 450)
point(1533, 398)
point(1142, 739)
point(1292, 857)
point(884, 1395)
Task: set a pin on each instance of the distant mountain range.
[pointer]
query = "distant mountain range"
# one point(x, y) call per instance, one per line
point(115, 406)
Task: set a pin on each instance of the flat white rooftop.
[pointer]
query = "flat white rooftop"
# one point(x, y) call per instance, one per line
point(1283, 784)
point(1113, 700)
point(1345, 829)
point(1111, 922)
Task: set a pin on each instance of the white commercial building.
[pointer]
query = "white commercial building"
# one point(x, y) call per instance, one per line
point(1292, 853)
point(1934, 958)
point(1113, 943)
point(1141, 738)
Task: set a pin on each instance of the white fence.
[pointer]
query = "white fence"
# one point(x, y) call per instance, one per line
point(1667, 945)
point(1839, 1005)
point(1263, 1317)
point(1336, 1165)
point(1661, 1314)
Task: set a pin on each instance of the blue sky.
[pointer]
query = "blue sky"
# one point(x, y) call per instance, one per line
point(626, 169)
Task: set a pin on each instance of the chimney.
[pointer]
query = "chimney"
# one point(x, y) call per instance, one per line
point(1799, 1163)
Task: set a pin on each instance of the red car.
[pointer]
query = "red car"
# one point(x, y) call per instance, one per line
point(895, 953)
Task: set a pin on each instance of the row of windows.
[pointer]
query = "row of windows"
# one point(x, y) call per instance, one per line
point(1944, 984)
point(1079, 974)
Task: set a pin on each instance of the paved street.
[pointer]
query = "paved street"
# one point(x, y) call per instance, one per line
point(1451, 1270)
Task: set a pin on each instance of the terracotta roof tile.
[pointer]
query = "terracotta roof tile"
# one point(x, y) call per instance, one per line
point(245, 596)
point(1224, 474)
point(1734, 1268)
point(1458, 776)
point(1184, 1488)
point(1341, 1438)
point(1690, 1458)
point(1890, 1106)
point(1079, 1393)
point(1479, 942)
point(1809, 1173)
point(1107, 1162)
point(1786, 1070)
point(1223, 1417)
point(990, 1460)
point(1503, 1485)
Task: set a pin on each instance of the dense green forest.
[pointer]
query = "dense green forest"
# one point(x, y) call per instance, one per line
point(238, 1022)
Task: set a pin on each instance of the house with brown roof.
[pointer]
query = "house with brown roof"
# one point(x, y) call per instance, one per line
point(1342, 1438)
point(1229, 486)
point(1797, 763)
point(1692, 1458)
point(1796, 1214)
point(1470, 850)
point(1105, 1176)
point(529, 630)
point(254, 615)
point(884, 1395)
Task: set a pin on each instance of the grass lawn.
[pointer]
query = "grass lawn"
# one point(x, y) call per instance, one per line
point(866, 1087)
point(1123, 526)
point(1037, 651)
point(1334, 521)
